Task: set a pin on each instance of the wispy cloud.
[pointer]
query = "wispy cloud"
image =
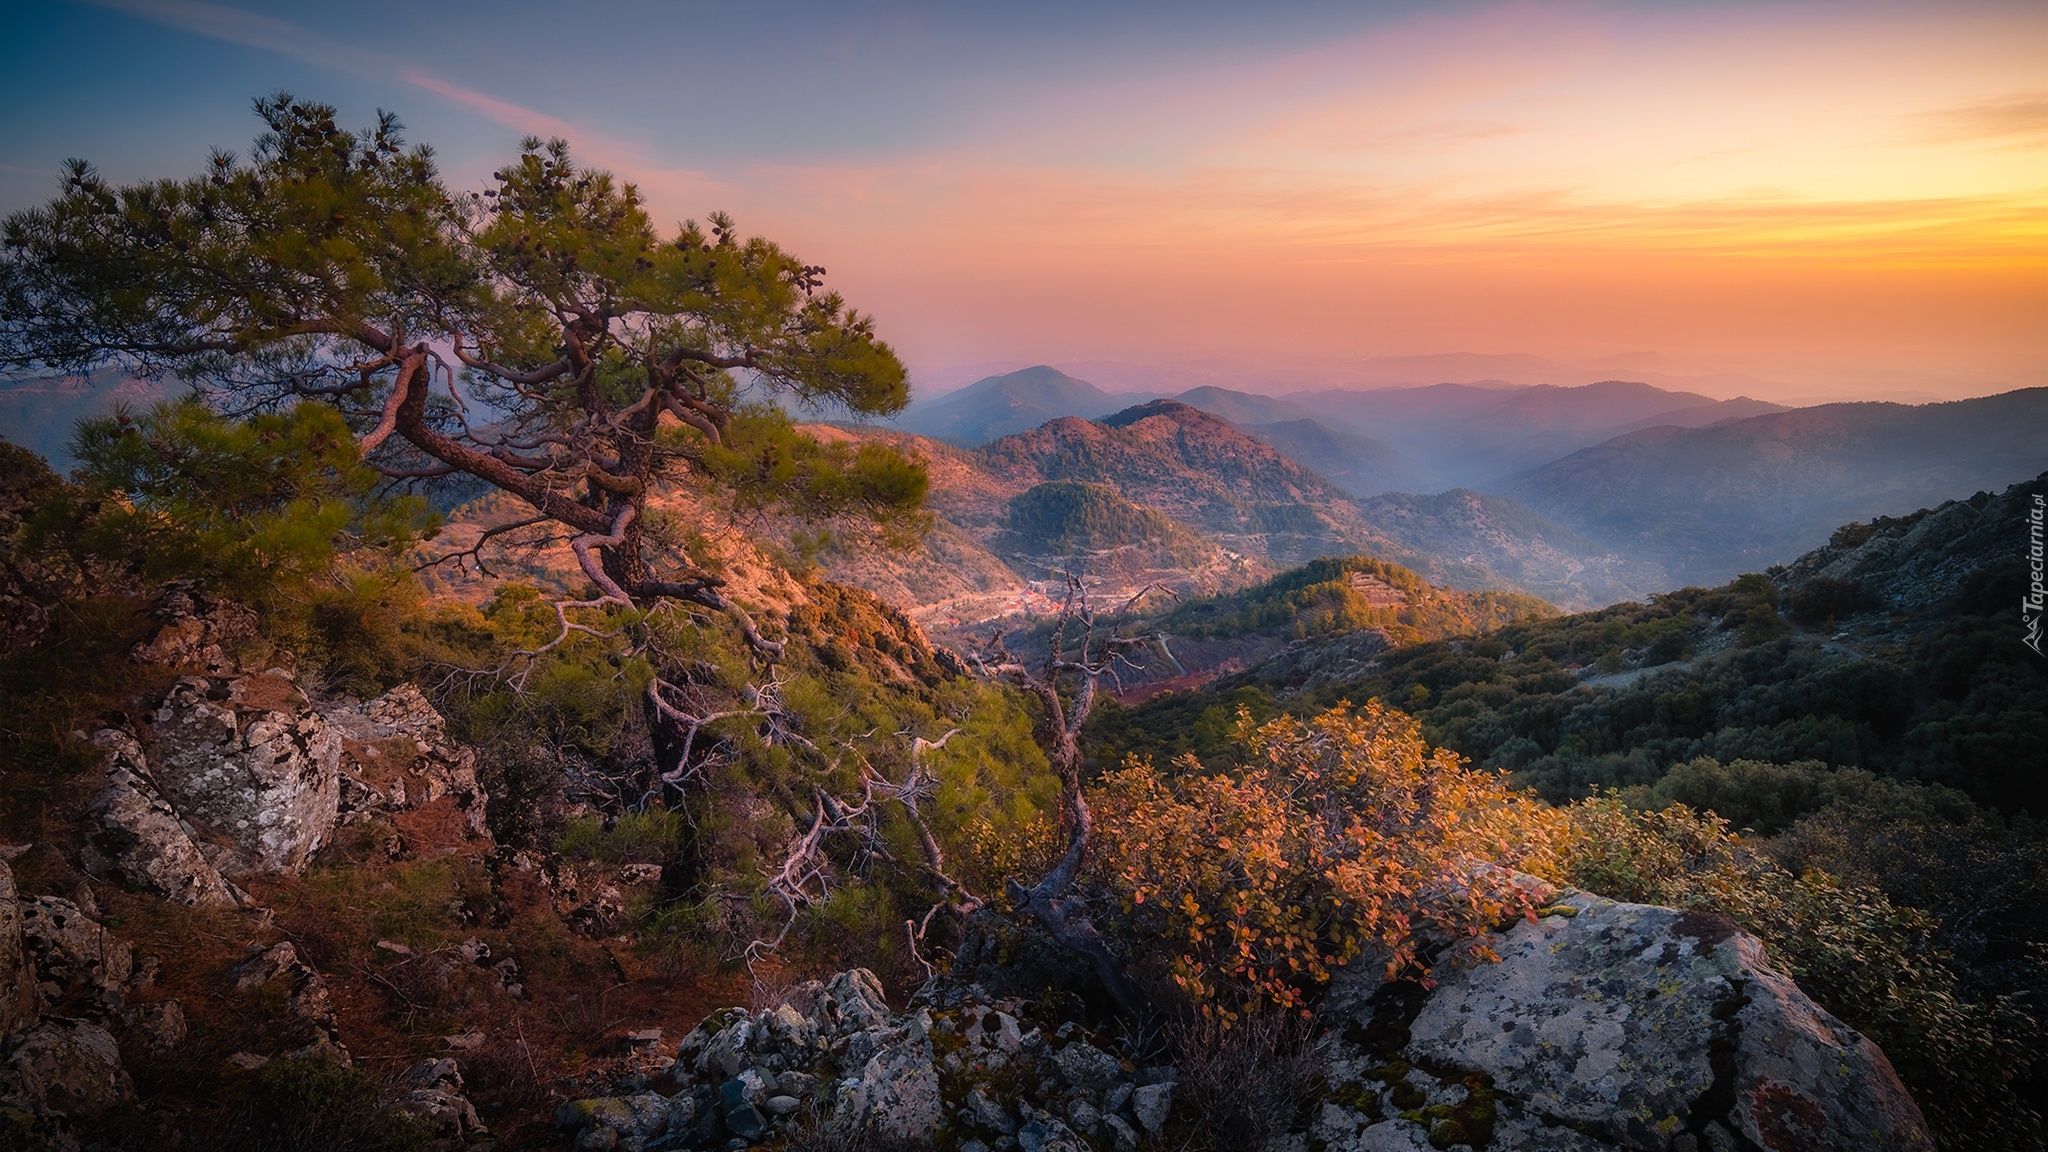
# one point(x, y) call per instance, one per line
point(271, 34)
point(255, 30)
point(2015, 117)
point(505, 112)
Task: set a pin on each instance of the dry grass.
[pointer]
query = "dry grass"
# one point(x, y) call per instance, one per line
point(1242, 1085)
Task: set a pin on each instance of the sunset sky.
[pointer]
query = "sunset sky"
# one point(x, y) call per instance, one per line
point(1837, 199)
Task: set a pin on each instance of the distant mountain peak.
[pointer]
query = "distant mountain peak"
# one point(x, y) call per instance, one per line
point(1185, 413)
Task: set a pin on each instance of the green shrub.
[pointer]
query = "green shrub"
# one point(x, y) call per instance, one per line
point(649, 837)
point(310, 1105)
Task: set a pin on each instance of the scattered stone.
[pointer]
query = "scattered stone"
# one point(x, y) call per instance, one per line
point(432, 1090)
point(306, 998)
point(1044, 1133)
point(1150, 1104)
point(161, 1026)
point(981, 1110)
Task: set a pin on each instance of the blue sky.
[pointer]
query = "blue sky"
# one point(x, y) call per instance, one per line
point(1846, 197)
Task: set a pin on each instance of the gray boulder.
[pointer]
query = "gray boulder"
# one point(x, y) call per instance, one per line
point(854, 1002)
point(1150, 1104)
point(1650, 1028)
point(1086, 1066)
point(247, 758)
point(898, 1094)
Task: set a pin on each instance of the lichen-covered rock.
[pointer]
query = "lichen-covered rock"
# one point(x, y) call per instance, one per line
point(18, 999)
point(898, 1095)
point(248, 759)
point(854, 1001)
point(135, 835)
point(1645, 1024)
point(626, 1123)
point(1150, 1104)
point(71, 1068)
point(1086, 1066)
point(79, 964)
point(1804, 1079)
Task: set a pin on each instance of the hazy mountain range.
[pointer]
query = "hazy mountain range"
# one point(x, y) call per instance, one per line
point(1241, 510)
point(1709, 503)
point(1450, 435)
point(1583, 495)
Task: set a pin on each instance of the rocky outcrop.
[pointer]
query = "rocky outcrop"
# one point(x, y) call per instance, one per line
point(136, 836)
point(244, 775)
point(248, 759)
point(1604, 1026)
point(959, 1067)
point(306, 999)
point(396, 757)
point(77, 961)
point(196, 631)
point(1608, 1025)
point(60, 1073)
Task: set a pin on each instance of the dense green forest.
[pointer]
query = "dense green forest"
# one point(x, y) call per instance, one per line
point(1343, 594)
point(1067, 516)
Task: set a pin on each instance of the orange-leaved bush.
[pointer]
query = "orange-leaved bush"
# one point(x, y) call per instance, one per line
point(1340, 835)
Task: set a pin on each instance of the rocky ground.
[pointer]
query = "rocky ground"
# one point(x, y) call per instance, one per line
point(1602, 1026)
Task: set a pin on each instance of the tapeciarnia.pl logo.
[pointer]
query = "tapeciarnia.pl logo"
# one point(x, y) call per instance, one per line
point(2036, 600)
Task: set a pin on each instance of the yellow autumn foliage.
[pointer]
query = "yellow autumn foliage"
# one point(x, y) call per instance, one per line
point(1341, 835)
